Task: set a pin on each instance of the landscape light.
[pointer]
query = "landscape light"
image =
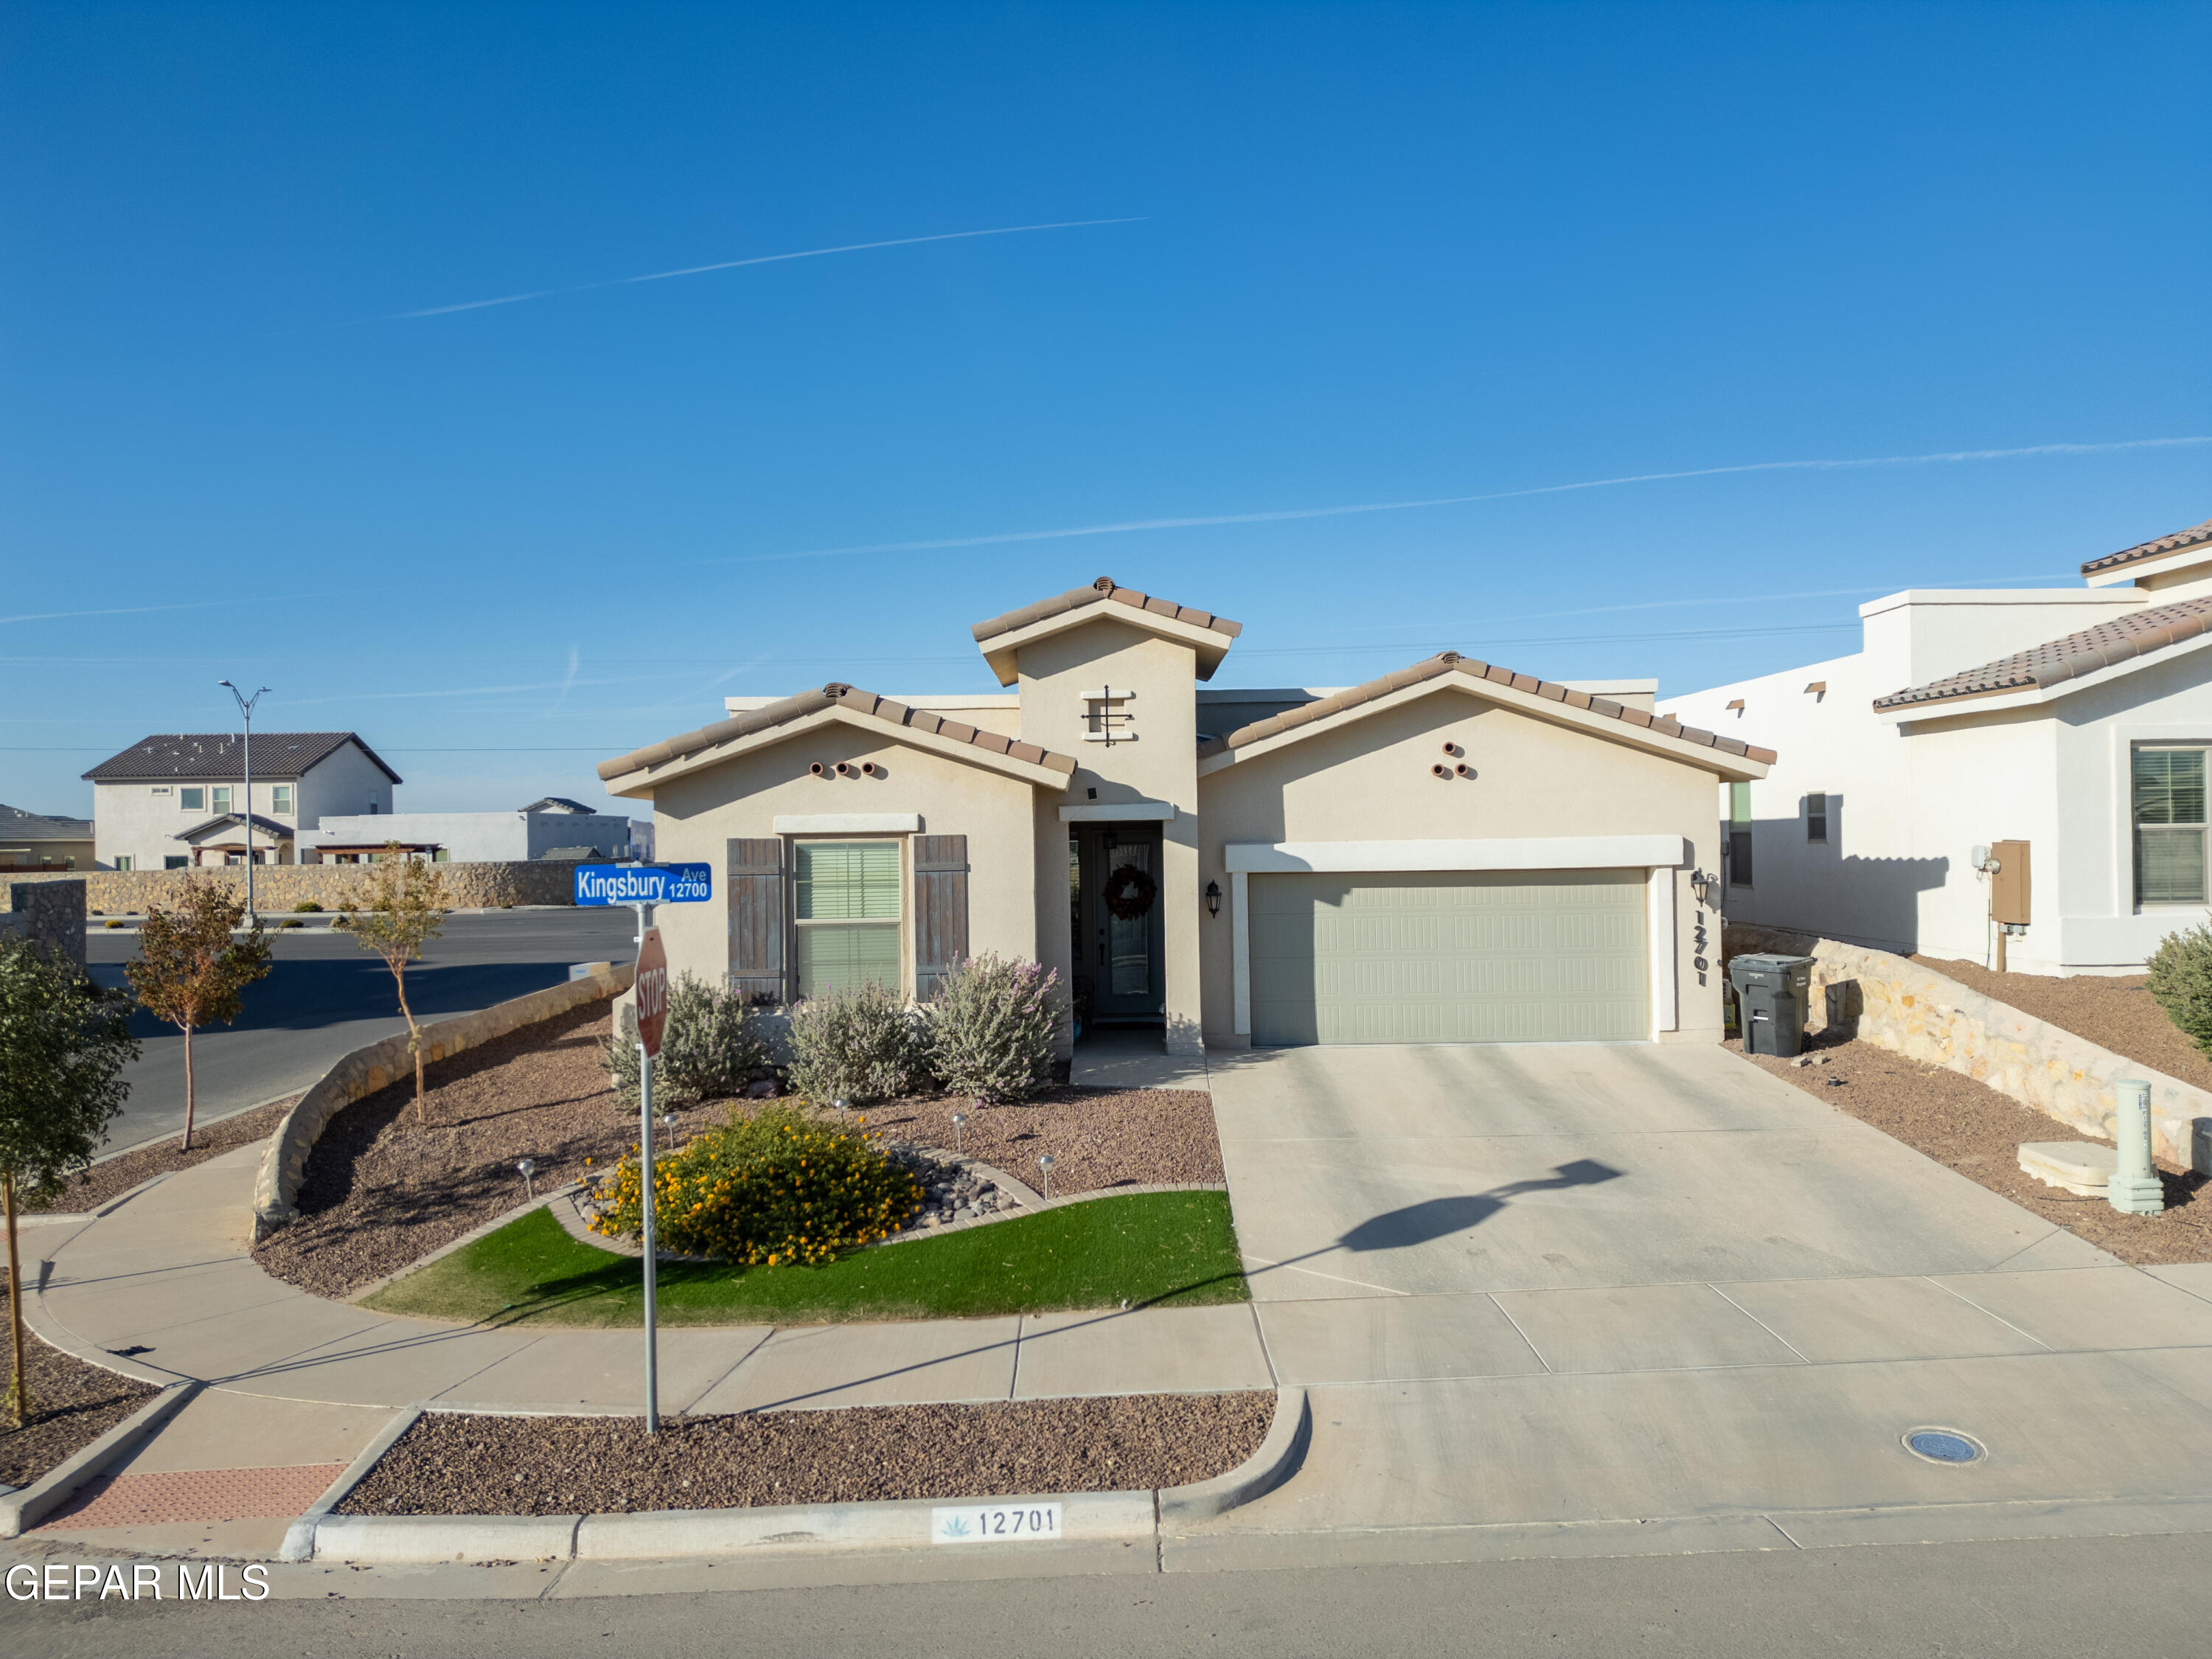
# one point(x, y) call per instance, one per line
point(1044, 1163)
point(959, 1119)
point(528, 1168)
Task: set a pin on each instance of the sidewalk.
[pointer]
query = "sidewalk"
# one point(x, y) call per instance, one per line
point(296, 1384)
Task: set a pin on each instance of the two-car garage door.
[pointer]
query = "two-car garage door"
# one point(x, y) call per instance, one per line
point(1449, 956)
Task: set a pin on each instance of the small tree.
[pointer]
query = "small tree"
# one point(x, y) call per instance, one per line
point(190, 969)
point(63, 1042)
point(404, 906)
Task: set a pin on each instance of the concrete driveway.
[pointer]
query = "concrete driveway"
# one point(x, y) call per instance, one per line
point(1612, 1298)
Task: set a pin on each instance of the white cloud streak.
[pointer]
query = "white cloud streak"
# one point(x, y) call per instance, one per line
point(1128, 526)
point(147, 610)
point(738, 265)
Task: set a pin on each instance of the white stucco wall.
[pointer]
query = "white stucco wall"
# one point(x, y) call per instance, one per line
point(132, 820)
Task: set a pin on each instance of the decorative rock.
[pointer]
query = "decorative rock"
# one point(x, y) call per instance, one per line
point(2081, 1167)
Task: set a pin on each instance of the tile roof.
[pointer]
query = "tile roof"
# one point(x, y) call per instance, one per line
point(1451, 662)
point(216, 755)
point(17, 824)
point(2050, 664)
point(2180, 538)
point(836, 694)
point(1098, 592)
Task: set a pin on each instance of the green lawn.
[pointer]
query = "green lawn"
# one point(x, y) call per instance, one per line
point(1162, 1249)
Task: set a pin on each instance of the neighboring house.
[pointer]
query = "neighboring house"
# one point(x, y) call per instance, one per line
point(2077, 720)
point(1454, 853)
point(168, 802)
point(545, 828)
point(31, 840)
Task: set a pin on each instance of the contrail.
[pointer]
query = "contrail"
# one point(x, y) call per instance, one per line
point(734, 264)
point(146, 609)
point(1131, 524)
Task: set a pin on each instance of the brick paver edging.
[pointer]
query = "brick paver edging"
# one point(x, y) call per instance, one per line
point(799, 1529)
point(366, 1069)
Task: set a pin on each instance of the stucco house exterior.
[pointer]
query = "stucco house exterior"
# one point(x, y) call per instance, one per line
point(554, 827)
point(1452, 852)
point(35, 841)
point(170, 801)
point(2076, 720)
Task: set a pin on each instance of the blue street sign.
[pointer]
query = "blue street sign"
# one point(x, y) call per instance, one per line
point(644, 884)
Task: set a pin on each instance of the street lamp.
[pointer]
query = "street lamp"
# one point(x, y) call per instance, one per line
point(245, 713)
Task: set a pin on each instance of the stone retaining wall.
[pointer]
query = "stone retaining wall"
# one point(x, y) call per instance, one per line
point(1895, 1003)
point(48, 913)
point(333, 886)
point(365, 1071)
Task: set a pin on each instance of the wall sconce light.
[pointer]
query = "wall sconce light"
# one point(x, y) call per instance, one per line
point(1213, 898)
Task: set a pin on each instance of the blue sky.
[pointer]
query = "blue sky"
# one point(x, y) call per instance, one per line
point(1376, 255)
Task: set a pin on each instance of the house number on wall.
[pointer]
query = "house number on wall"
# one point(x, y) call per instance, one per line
point(1106, 719)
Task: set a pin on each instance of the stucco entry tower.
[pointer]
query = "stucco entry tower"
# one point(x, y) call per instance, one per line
point(1114, 685)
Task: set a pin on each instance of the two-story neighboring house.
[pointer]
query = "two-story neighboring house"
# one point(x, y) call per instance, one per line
point(171, 801)
point(1454, 853)
point(2075, 721)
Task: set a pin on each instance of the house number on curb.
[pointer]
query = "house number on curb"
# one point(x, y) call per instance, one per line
point(994, 1523)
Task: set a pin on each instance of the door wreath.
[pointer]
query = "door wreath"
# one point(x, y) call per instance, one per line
point(1130, 892)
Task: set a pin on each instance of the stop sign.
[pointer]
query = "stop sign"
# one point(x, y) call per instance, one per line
point(651, 987)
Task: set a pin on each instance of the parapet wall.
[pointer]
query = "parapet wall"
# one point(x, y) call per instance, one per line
point(1896, 1004)
point(334, 886)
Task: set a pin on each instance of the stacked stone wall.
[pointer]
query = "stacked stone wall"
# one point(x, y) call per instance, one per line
point(1896, 1003)
point(334, 886)
point(49, 913)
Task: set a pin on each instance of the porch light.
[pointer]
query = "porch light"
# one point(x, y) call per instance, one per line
point(1213, 898)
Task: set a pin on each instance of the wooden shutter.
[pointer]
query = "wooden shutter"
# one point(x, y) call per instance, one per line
point(940, 909)
point(756, 911)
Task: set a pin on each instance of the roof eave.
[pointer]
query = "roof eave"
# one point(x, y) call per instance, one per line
point(1055, 772)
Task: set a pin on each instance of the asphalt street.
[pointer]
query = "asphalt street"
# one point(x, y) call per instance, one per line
point(326, 996)
point(2146, 1597)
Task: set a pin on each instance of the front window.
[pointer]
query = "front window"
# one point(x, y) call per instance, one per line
point(279, 797)
point(223, 798)
point(2169, 815)
point(847, 913)
point(1739, 843)
point(192, 800)
point(126, 862)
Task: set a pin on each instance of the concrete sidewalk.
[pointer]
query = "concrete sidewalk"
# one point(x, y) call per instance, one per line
point(298, 1383)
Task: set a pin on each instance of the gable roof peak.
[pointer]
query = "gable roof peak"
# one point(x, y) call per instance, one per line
point(1002, 636)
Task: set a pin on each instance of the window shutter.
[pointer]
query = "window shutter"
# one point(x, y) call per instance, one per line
point(756, 907)
point(940, 909)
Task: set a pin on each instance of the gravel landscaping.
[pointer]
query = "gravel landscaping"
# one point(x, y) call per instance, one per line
point(1099, 1139)
point(381, 1193)
point(111, 1177)
point(72, 1405)
point(453, 1464)
point(1970, 1127)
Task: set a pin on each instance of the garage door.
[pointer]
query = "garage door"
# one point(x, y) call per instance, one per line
point(1554, 955)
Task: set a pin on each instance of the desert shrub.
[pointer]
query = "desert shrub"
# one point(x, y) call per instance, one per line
point(778, 1187)
point(2181, 982)
point(305, 906)
point(710, 1048)
point(860, 1044)
point(992, 1028)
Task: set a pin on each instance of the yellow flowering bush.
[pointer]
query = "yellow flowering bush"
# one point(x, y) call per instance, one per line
point(774, 1188)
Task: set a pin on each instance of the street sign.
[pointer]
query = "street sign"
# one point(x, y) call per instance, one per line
point(651, 989)
point(644, 884)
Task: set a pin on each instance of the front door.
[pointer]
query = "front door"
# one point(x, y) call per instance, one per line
point(1117, 921)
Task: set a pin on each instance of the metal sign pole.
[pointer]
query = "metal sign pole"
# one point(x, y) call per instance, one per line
point(651, 1248)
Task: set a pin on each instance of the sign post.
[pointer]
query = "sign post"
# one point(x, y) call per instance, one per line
point(642, 886)
point(651, 989)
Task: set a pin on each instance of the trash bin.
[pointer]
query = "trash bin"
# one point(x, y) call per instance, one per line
point(1771, 994)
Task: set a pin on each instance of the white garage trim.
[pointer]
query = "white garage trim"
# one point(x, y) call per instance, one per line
point(848, 823)
point(1240, 942)
point(1517, 853)
point(1659, 933)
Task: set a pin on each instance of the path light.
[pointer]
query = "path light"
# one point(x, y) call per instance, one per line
point(840, 1102)
point(959, 1121)
point(1044, 1163)
point(668, 1128)
point(528, 1168)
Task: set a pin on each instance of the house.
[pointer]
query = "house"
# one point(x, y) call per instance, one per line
point(1452, 852)
point(32, 840)
point(2074, 720)
point(550, 828)
point(170, 801)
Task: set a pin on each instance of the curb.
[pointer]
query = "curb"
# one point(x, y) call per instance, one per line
point(792, 1529)
point(22, 1510)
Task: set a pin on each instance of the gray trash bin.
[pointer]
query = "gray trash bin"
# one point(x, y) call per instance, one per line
point(1771, 995)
